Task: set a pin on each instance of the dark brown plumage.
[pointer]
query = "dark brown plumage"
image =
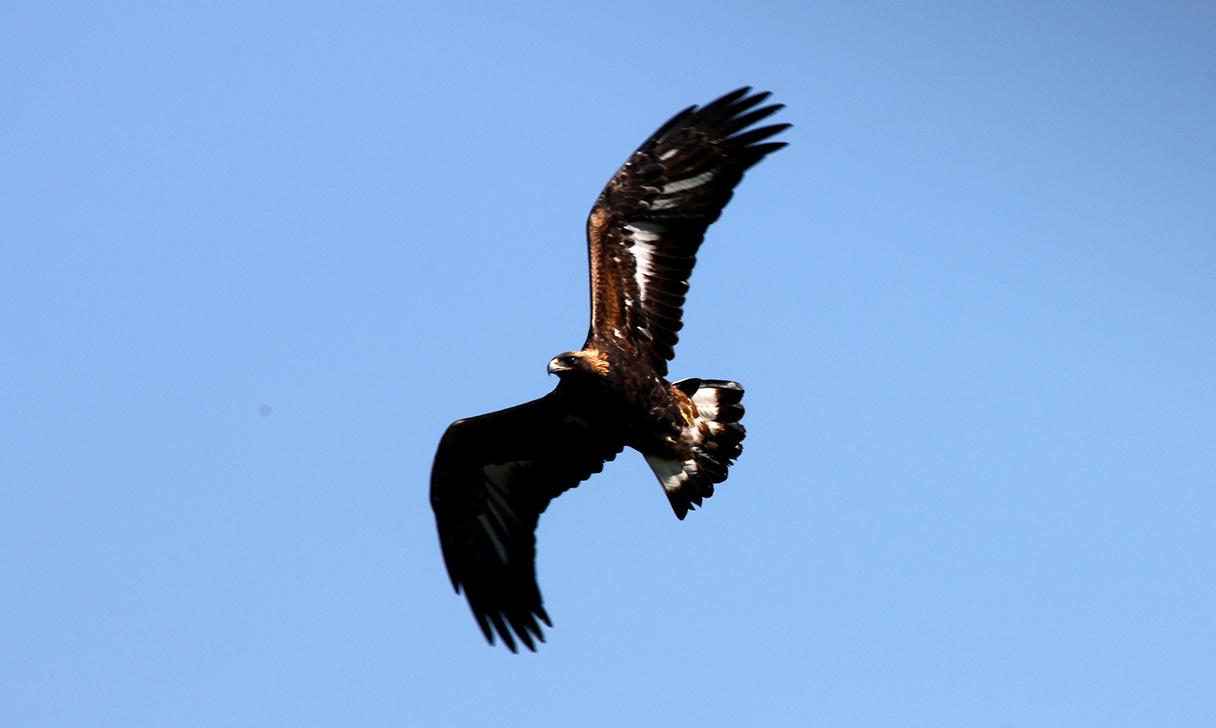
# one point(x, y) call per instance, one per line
point(495, 474)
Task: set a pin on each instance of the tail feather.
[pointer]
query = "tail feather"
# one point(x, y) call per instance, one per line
point(711, 442)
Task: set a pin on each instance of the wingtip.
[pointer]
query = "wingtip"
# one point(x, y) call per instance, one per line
point(485, 627)
point(726, 101)
point(759, 97)
point(528, 630)
point(526, 639)
point(503, 632)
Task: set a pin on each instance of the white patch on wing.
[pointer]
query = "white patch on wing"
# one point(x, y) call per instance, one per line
point(663, 203)
point(687, 184)
point(669, 154)
point(670, 473)
point(644, 231)
point(644, 235)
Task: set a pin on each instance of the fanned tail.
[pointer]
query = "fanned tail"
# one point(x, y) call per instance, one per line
point(712, 441)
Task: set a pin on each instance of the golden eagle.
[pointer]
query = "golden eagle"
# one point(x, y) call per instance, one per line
point(495, 474)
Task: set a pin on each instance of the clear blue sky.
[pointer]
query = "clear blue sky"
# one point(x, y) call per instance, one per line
point(254, 260)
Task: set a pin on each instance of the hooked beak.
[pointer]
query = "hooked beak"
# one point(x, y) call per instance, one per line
point(554, 367)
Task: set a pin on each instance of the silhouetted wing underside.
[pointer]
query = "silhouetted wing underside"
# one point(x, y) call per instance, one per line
point(493, 476)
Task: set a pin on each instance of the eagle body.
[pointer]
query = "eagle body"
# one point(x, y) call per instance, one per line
point(494, 474)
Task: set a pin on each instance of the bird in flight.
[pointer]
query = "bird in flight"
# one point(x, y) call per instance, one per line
point(494, 474)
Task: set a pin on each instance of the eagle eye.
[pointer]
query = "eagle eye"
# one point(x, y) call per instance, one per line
point(567, 361)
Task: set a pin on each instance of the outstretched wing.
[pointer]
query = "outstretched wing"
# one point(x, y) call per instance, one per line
point(645, 228)
point(493, 477)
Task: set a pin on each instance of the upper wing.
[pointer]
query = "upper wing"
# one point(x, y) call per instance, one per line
point(493, 477)
point(645, 228)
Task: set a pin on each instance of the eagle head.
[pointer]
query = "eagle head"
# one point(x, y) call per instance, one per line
point(587, 361)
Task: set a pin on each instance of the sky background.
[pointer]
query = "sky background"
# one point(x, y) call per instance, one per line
point(254, 259)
